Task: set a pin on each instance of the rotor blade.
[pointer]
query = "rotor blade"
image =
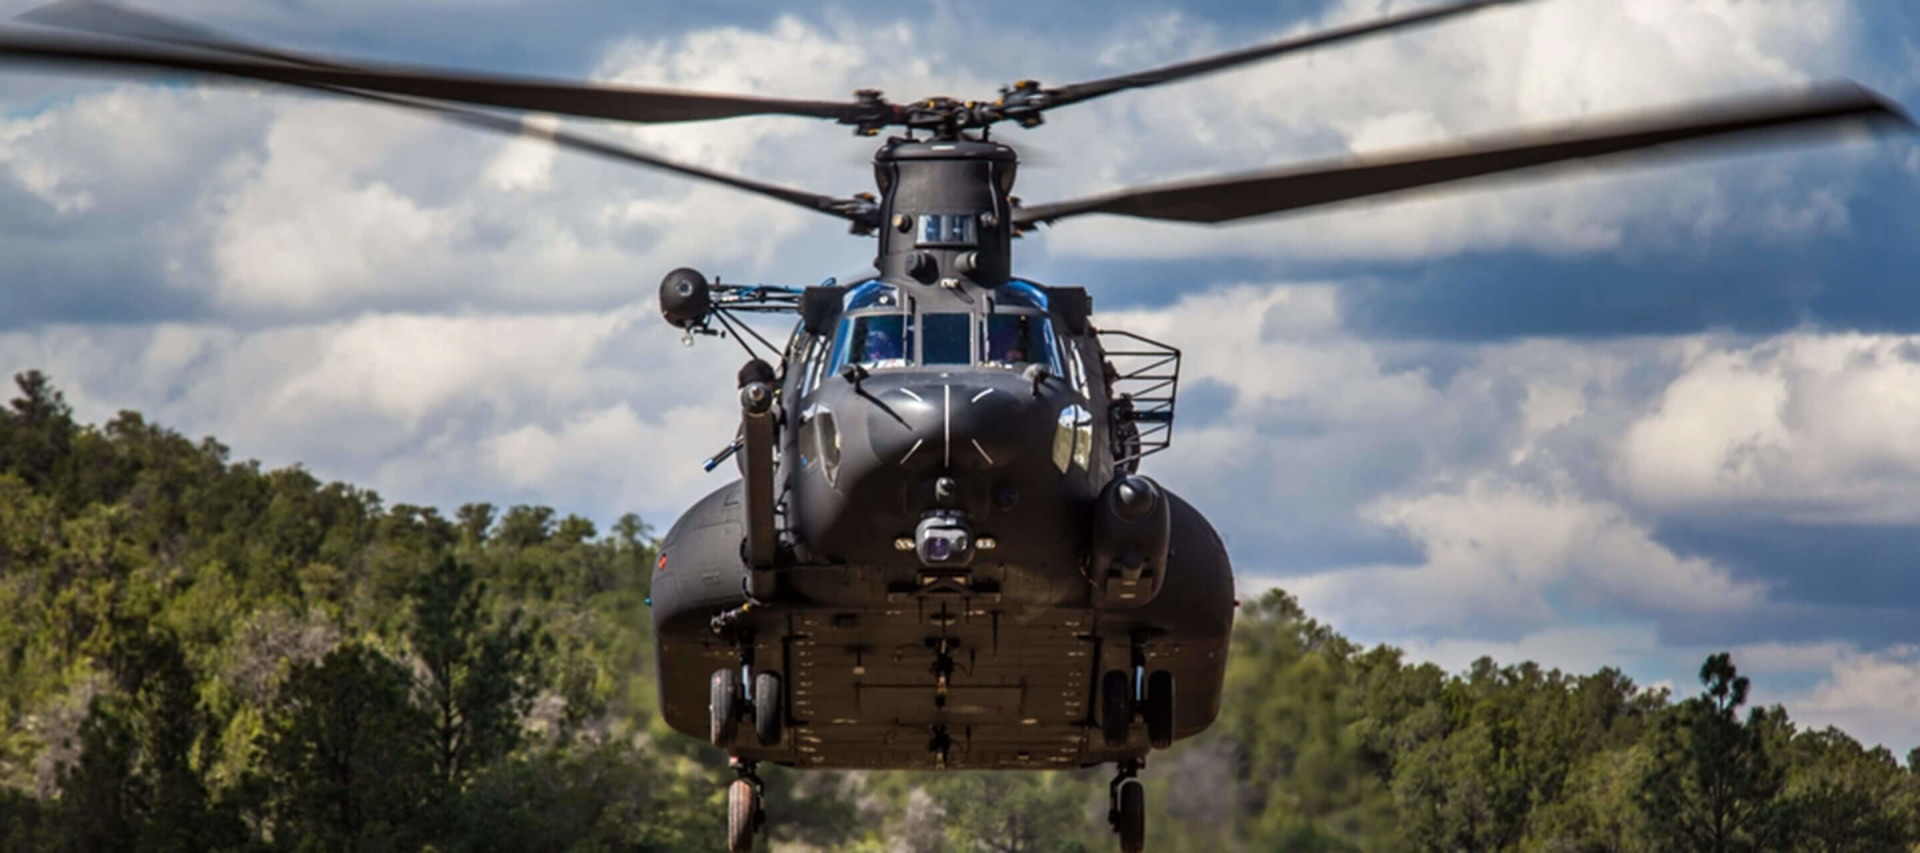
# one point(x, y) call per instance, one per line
point(518, 93)
point(88, 16)
point(1077, 92)
point(121, 21)
point(1259, 193)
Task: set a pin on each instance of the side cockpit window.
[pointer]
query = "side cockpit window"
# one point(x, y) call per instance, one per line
point(1017, 340)
point(874, 341)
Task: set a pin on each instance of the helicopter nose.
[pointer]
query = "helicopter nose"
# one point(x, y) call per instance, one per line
point(977, 424)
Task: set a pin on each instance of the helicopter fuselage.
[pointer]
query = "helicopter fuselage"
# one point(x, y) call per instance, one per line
point(963, 553)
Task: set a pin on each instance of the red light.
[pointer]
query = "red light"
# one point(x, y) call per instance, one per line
point(662, 565)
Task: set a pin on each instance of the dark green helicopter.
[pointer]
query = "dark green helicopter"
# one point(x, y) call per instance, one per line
point(940, 553)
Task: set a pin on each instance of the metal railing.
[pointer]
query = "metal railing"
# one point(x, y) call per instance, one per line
point(1145, 382)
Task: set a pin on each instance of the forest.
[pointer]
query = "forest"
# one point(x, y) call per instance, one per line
point(199, 654)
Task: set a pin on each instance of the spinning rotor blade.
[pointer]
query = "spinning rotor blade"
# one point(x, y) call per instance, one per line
point(103, 19)
point(516, 93)
point(1239, 196)
point(1077, 92)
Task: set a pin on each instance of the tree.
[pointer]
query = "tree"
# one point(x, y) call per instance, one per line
point(342, 758)
point(479, 674)
point(37, 432)
point(474, 520)
point(137, 784)
point(1011, 812)
point(1845, 797)
point(1715, 782)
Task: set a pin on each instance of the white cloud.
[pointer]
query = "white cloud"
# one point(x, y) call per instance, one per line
point(1873, 696)
point(1805, 426)
point(595, 413)
point(1526, 66)
point(1497, 554)
point(614, 457)
point(1576, 650)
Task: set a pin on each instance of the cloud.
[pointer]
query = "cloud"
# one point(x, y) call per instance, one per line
point(1579, 649)
point(296, 209)
point(1526, 66)
point(1500, 558)
point(1806, 427)
point(1873, 696)
point(598, 413)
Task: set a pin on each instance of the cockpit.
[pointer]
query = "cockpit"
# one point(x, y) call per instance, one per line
point(880, 331)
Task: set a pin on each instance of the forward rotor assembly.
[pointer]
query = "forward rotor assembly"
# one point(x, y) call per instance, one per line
point(122, 37)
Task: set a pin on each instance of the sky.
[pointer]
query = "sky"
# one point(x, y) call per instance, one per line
point(1612, 417)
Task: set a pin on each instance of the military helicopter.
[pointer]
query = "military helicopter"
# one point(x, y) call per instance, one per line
point(940, 553)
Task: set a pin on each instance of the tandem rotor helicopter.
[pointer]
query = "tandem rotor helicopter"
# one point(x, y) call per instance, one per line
point(941, 553)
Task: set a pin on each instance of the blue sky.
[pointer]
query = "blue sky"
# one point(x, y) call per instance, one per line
point(1612, 417)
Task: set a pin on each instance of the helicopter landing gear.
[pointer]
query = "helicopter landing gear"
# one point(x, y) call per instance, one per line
point(728, 702)
point(1123, 693)
point(1127, 806)
point(723, 706)
point(745, 817)
point(767, 721)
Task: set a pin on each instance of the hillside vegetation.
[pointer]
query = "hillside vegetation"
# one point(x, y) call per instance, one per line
point(198, 654)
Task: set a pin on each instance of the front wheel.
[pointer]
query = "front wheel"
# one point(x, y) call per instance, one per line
point(1133, 816)
point(743, 815)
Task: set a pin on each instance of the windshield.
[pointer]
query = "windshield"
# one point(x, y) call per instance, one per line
point(1016, 340)
point(1005, 339)
point(946, 339)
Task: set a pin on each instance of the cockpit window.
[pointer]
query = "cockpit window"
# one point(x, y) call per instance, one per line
point(1017, 340)
point(946, 339)
point(879, 340)
point(873, 340)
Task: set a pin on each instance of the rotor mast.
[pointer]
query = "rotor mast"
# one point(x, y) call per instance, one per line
point(945, 213)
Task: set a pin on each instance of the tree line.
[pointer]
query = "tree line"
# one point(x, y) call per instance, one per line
point(198, 654)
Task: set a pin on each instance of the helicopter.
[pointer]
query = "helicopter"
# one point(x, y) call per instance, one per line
point(940, 552)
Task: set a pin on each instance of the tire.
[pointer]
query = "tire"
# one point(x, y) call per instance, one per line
point(723, 706)
point(1159, 710)
point(1116, 706)
point(768, 713)
point(743, 815)
point(1133, 816)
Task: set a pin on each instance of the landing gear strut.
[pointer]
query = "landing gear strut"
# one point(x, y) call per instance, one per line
point(1126, 694)
point(728, 702)
point(1127, 806)
point(745, 817)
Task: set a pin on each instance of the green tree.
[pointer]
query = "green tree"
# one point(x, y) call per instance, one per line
point(479, 673)
point(1011, 812)
point(1715, 783)
point(38, 430)
point(1845, 797)
point(138, 783)
point(342, 757)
